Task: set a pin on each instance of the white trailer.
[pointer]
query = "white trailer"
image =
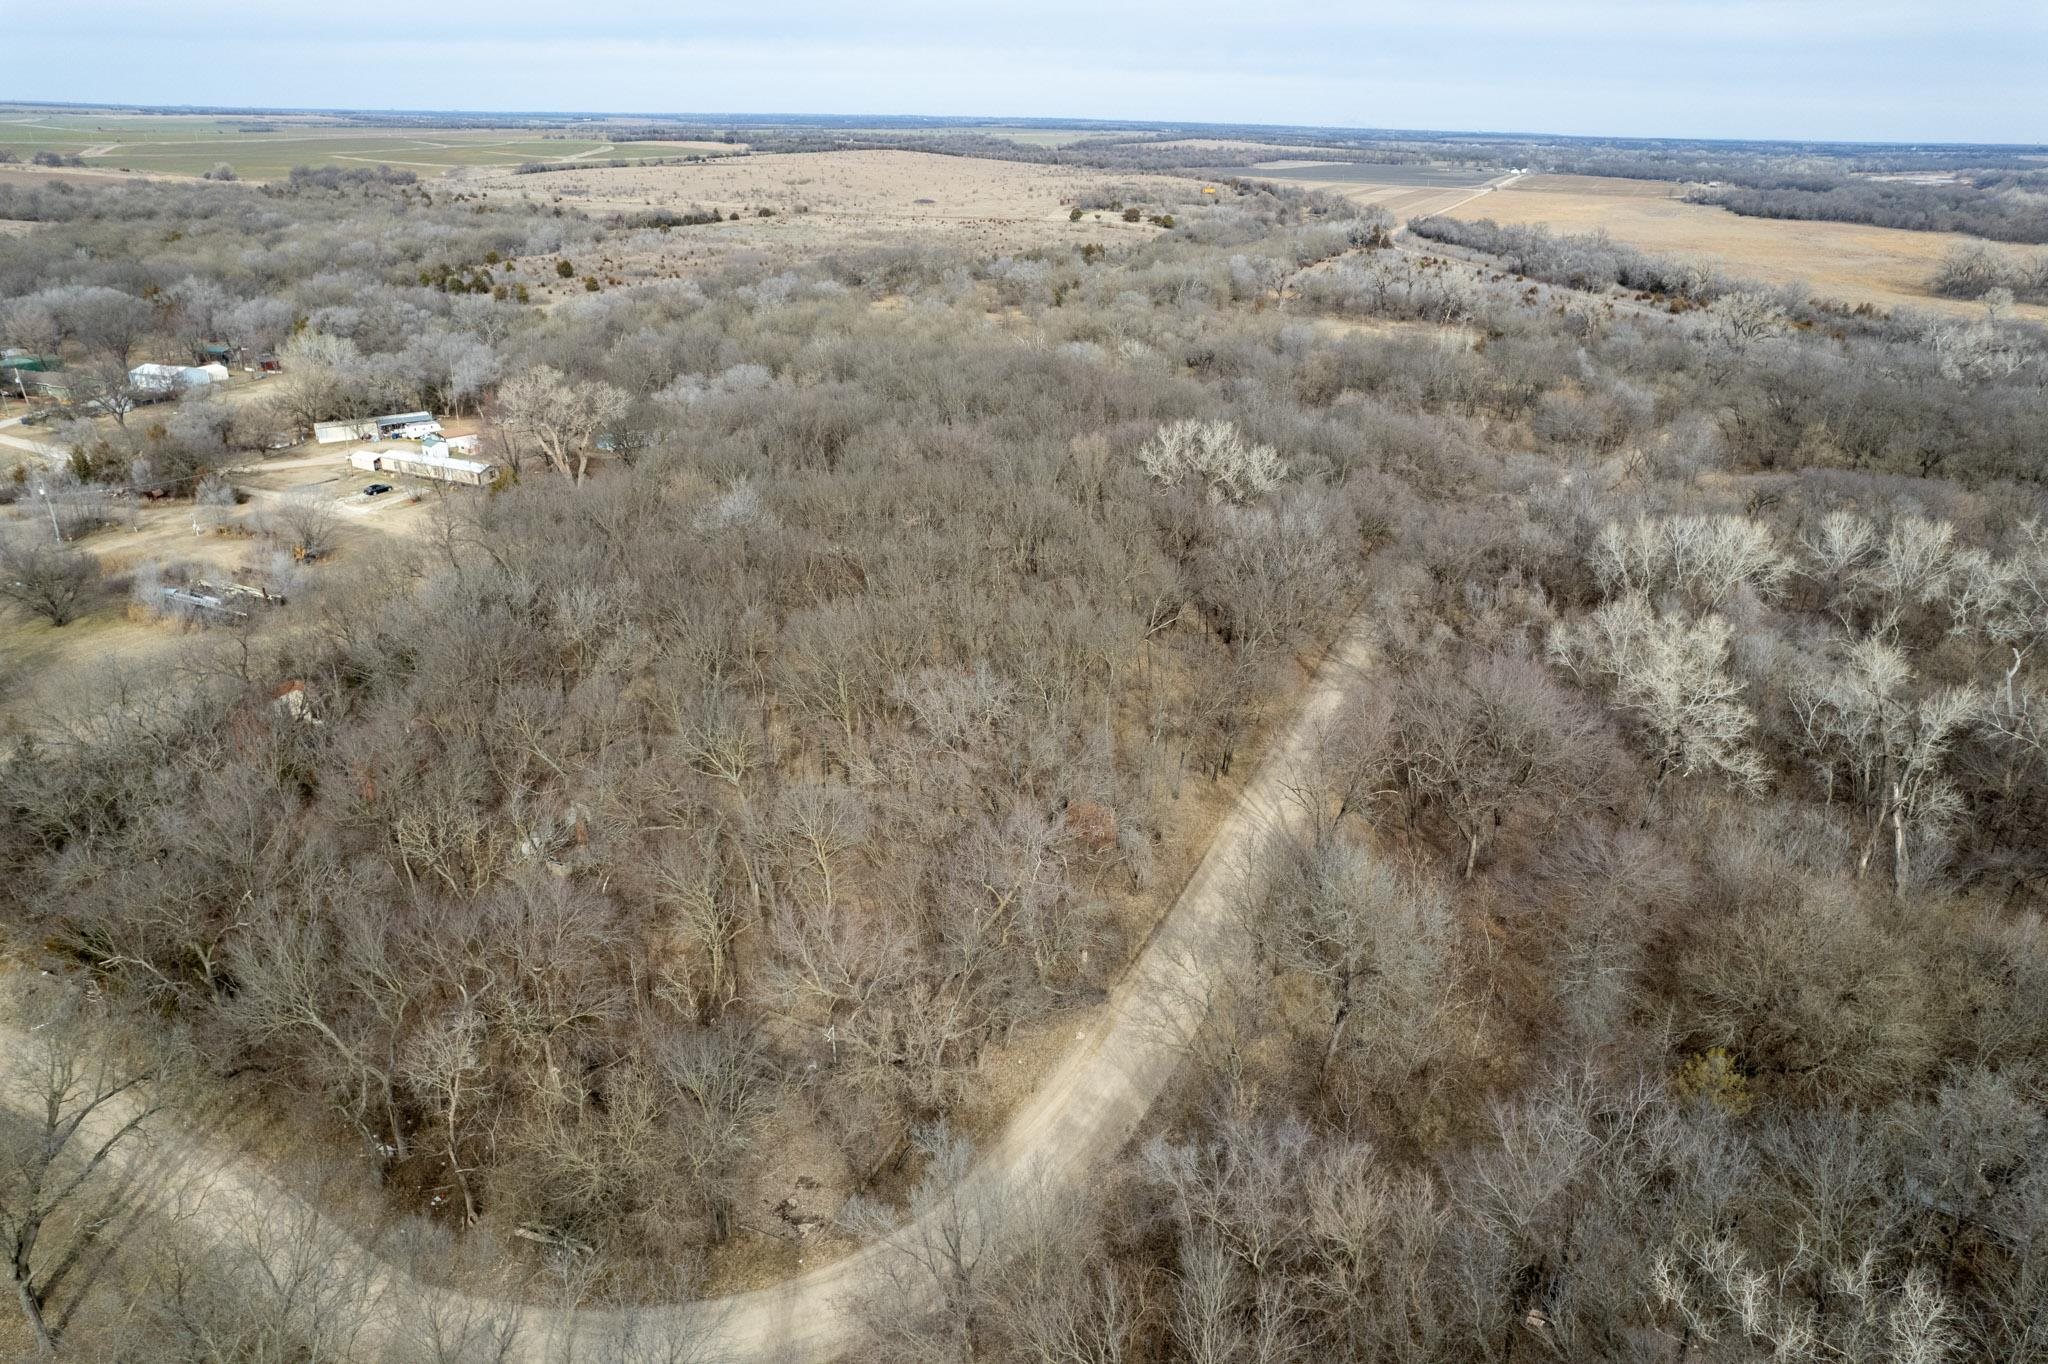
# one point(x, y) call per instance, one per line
point(414, 463)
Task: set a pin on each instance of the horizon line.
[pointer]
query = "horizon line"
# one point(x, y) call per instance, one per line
point(1015, 120)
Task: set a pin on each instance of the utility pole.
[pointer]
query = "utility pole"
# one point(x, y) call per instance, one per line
point(51, 508)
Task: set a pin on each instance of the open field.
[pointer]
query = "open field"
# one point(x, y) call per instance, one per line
point(265, 148)
point(1366, 173)
point(1022, 133)
point(1403, 191)
point(1885, 267)
point(837, 201)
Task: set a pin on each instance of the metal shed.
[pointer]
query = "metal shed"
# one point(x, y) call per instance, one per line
point(334, 433)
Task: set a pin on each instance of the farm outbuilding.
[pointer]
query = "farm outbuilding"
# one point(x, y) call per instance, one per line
point(167, 381)
point(55, 386)
point(334, 433)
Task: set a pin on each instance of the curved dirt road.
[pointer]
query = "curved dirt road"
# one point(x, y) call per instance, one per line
point(1075, 1121)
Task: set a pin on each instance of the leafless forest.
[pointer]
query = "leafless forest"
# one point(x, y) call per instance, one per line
point(824, 706)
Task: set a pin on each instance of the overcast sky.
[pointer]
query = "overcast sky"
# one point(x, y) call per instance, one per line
point(1953, 70)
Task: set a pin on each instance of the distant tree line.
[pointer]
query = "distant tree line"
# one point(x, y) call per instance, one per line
point(2002, 207)
point(1575, 261)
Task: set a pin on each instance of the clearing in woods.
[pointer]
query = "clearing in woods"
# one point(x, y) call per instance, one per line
point(822, 202)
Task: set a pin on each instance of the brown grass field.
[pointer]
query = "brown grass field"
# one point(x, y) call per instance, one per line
point(1403, 201)
point(830, 202)
point(1883, 266)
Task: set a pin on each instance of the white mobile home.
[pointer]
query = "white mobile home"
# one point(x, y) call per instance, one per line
point(416, 463)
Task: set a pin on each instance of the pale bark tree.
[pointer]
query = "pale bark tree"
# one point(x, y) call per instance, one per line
point(1703, 558)
point(563, 417)
point(1863, 727)
point(1670, 675)
point(443, 1063)
point(1215, 456)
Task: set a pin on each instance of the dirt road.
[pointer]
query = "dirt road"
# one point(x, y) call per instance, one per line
point(1086, 1110)
point(10, 436)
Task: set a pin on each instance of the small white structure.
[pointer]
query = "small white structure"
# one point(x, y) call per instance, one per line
point(426, 463)
point(167, 381)
point(459, 446)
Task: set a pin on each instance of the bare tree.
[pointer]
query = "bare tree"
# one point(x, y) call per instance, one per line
point(107, 321)
point(562, 416)
point(305, 522)
point(1702, 558)
point(105, 389)
point(56, 1190)
point(1372, 942)
point(1215, 456)
point(1670, 675)
point(1860, 723)
point(1914, 564)
point(1491, 741)
point(931, 1295)
point(57, 583)
point(443, 1062)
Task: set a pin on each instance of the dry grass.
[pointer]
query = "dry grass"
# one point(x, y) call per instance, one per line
point(42, 665)
point(1403, 201)
point(834, 202)
point(1882, 266)
point(1601, 186)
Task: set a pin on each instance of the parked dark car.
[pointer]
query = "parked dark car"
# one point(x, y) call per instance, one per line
point(376, 490)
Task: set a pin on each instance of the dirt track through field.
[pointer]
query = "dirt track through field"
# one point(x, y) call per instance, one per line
point(1083, 1113)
